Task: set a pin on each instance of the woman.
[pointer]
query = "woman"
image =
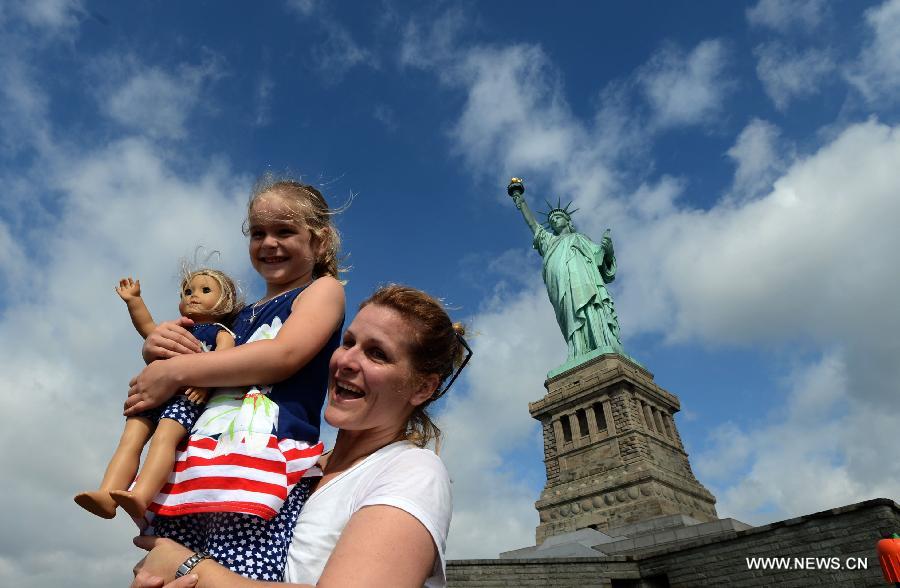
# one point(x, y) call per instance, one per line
point(379, 515)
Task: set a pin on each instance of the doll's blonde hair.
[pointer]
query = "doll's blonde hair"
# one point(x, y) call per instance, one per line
point(230, 300)
point(308, 208)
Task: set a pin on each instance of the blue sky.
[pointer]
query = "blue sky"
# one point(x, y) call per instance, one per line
point(745, 155)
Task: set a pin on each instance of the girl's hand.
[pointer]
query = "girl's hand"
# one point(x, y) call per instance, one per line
point(170, 339)
point(160, 564)
point(153, 386)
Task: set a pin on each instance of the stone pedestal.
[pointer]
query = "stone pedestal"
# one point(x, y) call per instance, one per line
point(612, 451)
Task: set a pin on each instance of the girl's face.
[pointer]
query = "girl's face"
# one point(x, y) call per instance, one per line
point(282, 250)
point(200, 295)
point(372, 385)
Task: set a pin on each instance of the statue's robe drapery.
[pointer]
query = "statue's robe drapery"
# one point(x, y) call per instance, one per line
point(576, 271)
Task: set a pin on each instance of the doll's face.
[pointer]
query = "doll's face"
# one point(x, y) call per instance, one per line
point(200, 295)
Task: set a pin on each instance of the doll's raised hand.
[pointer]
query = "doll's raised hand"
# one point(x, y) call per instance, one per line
point(128, 289)
point(197, 395)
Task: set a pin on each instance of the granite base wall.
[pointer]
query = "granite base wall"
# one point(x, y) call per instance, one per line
point(843, 533)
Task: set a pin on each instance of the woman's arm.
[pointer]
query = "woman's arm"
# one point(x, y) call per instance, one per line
point(166, 556)
point(315, 315)
point(366, 556)
point(368, 553)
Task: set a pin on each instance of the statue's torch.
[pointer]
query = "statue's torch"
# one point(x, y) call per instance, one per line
point(516, 188)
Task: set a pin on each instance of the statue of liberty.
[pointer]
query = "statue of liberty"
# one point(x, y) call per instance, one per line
point(576, 271)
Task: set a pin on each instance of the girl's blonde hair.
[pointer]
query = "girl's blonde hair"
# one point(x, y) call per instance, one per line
point(308, 208)
point(230, 301)
point(436, 348)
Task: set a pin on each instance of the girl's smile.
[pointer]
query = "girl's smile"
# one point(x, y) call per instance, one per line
point(282, 250)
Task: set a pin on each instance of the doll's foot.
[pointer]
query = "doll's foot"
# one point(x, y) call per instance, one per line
point(131, 502)
point(97, 502)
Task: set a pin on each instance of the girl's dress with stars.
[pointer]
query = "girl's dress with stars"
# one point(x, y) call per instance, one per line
point(234, 491)
point(179, 408)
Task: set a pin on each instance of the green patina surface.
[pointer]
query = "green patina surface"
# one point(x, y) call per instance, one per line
point(576, 271)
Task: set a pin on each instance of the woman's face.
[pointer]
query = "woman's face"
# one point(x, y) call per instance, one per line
point(372, 384)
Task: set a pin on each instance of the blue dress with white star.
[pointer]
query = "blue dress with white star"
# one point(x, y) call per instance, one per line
point(179, 408)
point(238, 482)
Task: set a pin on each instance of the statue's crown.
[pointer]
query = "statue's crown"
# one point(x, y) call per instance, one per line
point(560, 209)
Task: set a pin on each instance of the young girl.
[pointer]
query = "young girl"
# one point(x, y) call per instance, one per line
point(236, 483)
point(207, 296)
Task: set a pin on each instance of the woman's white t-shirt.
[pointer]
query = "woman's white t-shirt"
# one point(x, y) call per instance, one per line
point(399, 475)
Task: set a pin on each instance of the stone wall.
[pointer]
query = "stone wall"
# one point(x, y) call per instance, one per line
point(582, 572)
point(845, 533)
point(842, 533)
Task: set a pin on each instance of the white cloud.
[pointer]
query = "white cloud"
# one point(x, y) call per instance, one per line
point(303, 8)
point(790, 243)
point(503, 85)
point(340, 52)
point(798, 257)
point(68, 348)
point(23, 107)
point(686, 89)
point(493, 509)
point(75, 218)
point(432, 42)
point(877, 72)
point(759, 158)
point(386, 116)
point(652, 201)
point(50, 15)
point(822, 441)
point(787, 75)
point(263, 101)
point(784, 15)
point(154, 101)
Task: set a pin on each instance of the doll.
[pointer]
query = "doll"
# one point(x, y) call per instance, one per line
point(207, 296)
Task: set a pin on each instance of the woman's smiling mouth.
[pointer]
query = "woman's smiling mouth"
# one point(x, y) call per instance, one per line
point(345, 391)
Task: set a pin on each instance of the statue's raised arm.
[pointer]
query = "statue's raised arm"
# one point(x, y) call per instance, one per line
point(576, 271)
point(516, 191)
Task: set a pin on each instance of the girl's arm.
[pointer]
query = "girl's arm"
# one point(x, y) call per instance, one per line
point(316, 314)
point(130, 291)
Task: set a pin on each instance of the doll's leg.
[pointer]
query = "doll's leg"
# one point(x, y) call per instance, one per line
point(177, 417)
point(157, 467)
point(121, 469)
